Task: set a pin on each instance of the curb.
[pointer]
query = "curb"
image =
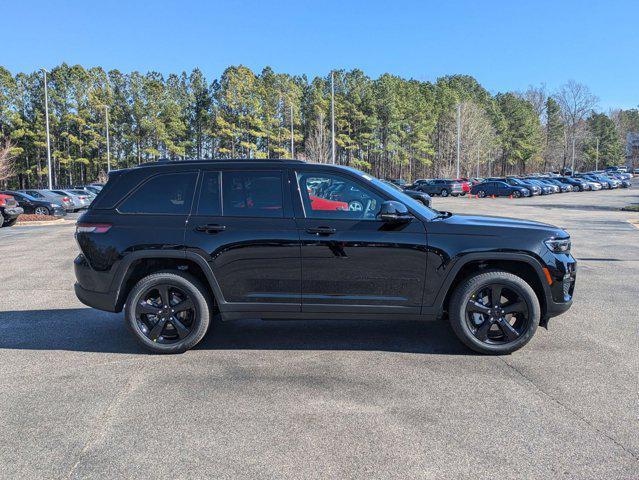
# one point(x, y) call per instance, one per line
point(59, 221)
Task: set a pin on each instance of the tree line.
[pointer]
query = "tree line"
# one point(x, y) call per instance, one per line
point(388, 126)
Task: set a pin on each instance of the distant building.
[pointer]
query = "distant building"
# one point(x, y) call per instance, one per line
point(632, 149)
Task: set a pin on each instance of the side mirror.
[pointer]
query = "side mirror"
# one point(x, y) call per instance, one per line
point(394, 212)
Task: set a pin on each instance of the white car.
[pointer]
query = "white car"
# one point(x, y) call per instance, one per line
point(594, 185)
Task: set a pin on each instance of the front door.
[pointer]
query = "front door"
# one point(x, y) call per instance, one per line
point(351, 261)
point(243, 225)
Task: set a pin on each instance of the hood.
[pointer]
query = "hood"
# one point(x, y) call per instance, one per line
point(497, 226)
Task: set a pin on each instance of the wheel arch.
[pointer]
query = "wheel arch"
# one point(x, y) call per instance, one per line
point(522, 265)
point(139, 264)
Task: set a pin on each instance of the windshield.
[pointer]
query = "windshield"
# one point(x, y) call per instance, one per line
point(398, 194)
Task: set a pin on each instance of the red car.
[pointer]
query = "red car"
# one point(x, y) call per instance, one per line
point(465, 185)
point(318, 203)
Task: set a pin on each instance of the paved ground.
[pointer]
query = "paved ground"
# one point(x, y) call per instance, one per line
point(327, 399)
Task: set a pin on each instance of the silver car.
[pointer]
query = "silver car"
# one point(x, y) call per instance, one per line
point(79, 201)
point(49, 196)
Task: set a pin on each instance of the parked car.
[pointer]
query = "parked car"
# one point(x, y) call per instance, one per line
point(416, 194)
point(48, 195)
point(36, 206)
point(545, 189)
point(9, 210)
point(554, 188)
point(577, 185)
point(465, 183)
point(439, 186)
point(532, 189)
point(563, 187)
point(90, 195)
point(604, 182)
point(79, 201)
point(498, 189)
point(400, 182)
point(253, 246)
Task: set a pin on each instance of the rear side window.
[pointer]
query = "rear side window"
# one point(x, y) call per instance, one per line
point(169, 194)
point(252, 194)
point(210, 202)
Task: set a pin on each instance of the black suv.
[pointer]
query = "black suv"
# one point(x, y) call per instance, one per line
point(175, 243)
point(439, 186)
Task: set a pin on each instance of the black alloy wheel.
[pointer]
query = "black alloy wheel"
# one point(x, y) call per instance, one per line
point(168, 311)
point(494, 312)
point(165, 314)
point(497, 314)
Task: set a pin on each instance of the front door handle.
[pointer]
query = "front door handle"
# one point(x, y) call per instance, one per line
point(321, 230)
point(211, 228)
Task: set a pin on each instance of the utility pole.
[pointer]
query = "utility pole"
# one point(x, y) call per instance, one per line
point(106, 120)
point(597, 157)
point(478, 149)
point(573, 153)
point(332, 118)
point(292, 143)
point(458, 136)
point(46, 114)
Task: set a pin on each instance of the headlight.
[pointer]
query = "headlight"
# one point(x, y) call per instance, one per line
point(558, 245)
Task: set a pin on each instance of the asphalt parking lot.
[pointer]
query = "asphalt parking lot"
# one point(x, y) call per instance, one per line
point(325, 399)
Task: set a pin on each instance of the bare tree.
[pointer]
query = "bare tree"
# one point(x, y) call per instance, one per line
point(6, 160)
point(576, 102)
point(537, 97)
point(317, 145)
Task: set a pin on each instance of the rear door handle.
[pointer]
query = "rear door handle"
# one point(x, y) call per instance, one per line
point(321, 230)
point(210, 228)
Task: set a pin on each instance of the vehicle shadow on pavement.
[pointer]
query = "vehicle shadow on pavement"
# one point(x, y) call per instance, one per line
point(89, 330)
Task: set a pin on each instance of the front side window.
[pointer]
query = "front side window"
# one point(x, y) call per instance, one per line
point(326, 195)
point(252, 194)
point(168, 194)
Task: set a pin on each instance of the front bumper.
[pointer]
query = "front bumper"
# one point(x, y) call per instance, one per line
point(563, 273)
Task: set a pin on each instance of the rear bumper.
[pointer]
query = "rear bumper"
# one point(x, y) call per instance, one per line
point(101, 301)
point(12, 212)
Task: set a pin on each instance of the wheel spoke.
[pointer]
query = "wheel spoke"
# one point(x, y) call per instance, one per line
point(186, 304)
point(157, 329)
point(507, 329)
point(516, 307)
point(495, 295)
point(144, 307)
point(164, 295)
point(482, 331)
point(182, 330)
point(474, 306)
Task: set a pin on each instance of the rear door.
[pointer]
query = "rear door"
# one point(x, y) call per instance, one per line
point(243, 225)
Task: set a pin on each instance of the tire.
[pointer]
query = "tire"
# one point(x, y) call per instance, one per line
point(179, 282)
point(10, 223)
point(42, 211)
point(511, 285)
point(517, 194)
point(481, 194)
point(444, 193)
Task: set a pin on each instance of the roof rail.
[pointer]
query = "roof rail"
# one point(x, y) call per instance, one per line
point(165, 161)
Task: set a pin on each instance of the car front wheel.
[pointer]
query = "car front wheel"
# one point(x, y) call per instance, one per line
point(444, 193)
point(42, 211)
point(481, 194)
point(168, 312)
point(494, 312)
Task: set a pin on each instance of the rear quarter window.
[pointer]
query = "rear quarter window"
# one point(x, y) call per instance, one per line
point(163, 194)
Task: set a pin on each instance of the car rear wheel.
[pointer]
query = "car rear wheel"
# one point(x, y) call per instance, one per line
point(168, 312)
point(42, 211)
point(494, 312)
point(481, 194)
point(444, 193)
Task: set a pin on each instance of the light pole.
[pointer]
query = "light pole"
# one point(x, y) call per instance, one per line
point(458, 136)
point(292, 141)
point(597, 156)
point(46, 114)
point(106, 121)
point(332, 119)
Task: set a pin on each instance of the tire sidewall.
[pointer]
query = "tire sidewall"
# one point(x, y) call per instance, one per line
point(470, 285)
point(185, 282)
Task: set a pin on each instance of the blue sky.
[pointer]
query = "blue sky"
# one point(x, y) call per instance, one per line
point(506, 45)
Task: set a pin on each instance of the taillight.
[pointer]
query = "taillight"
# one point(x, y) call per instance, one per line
point(3, 202)
point(92, 227)
point(66, 199)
